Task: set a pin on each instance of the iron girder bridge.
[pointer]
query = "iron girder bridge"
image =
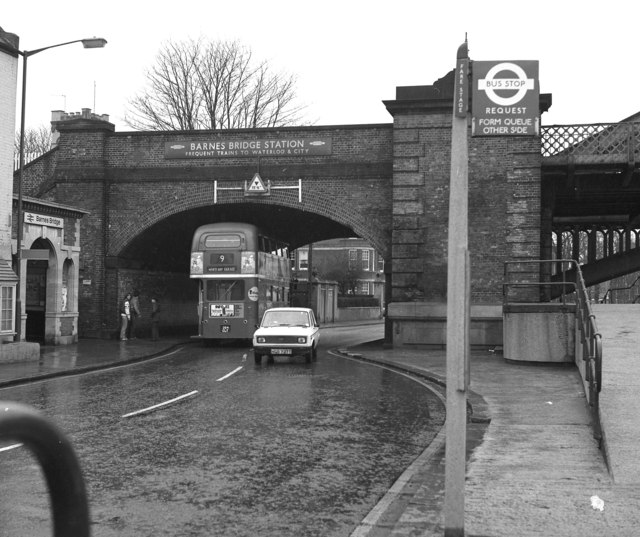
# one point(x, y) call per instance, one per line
point(591, 186)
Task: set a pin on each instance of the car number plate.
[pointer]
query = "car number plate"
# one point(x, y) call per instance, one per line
point(280, 351)
point(225, 328)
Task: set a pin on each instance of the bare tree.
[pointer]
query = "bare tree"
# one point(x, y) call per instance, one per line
point(212, 85)
point(36, 142)
point(172, 100)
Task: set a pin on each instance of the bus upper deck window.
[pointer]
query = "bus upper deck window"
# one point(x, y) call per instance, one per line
point(223, 241)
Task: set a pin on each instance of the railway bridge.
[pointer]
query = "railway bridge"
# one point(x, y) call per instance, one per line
point(573, 192)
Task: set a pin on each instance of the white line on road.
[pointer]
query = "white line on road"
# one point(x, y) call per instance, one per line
point(12, 446)
point(159, 405)
point(229, 374)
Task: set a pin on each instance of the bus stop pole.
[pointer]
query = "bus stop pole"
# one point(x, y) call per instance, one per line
point(458, 290)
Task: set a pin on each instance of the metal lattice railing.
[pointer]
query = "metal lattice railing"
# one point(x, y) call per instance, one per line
point(618, 141)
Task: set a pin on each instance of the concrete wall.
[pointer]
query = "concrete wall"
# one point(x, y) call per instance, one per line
point(358, 314)
point(19, 352)
point(422, 323)
point(540, 333)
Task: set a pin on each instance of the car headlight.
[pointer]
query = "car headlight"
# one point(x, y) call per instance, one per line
point(302, 339)
point(261, 339)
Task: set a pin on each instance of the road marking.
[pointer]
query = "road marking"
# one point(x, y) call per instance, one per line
point(229, 374)
point(12, 446)
point(160, 405)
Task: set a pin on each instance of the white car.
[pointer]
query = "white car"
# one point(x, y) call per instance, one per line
point(286, 332)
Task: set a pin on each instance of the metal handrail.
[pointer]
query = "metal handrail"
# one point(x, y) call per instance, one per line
point(591, 350)
point(608, 293)
point(567, 287)
point(591, 339)
point(59, 464)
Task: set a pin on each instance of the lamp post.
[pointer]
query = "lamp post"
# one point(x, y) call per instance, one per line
point(93, 42)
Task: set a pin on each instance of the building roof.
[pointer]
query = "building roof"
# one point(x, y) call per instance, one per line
point(52, 205)
point(6, 273)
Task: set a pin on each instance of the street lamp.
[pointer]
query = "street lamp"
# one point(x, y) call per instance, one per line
point(93, 42)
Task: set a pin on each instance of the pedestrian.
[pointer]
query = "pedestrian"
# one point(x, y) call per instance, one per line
point(135, 313)
point(155, 319)
point(125, 316)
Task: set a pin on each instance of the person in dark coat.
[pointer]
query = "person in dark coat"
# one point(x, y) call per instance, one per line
point(125, 316)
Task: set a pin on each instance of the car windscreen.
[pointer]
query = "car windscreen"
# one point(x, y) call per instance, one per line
point(285, 318)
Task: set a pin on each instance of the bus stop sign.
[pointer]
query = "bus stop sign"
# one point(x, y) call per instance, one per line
point(505, 99)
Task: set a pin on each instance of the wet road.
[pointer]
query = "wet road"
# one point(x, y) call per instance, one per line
point(288, 449)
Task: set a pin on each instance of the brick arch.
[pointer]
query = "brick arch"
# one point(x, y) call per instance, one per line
point(341, 212)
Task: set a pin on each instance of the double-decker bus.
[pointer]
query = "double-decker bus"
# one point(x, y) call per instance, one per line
point(242, 272)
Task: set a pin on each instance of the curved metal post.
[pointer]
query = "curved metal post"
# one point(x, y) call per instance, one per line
point(59, 464)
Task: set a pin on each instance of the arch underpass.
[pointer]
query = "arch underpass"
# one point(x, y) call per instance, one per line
point(165, 245)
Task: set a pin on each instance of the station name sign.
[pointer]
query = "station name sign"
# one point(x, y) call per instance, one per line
point(43, 220)
point(506, 99)
point(260, 147)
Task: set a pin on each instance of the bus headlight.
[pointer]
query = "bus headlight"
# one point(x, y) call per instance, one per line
point(261, 339)
point(302, 340)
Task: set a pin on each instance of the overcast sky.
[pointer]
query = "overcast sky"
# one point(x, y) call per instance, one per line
point(348, 55)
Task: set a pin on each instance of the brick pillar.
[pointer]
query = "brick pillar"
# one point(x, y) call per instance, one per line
point(504, 216)
point(421, 161)
point(82, 180)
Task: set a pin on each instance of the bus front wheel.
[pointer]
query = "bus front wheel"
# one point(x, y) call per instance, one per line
point(257, 358)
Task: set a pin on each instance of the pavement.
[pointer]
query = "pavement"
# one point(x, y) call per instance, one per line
point(533, 465)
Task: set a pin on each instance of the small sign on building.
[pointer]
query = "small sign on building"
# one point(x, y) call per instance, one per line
point(43, 220)
point(506, 99)
point(461, 89)
point(257, 187)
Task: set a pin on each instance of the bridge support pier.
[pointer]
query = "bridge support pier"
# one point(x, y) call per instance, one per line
point(504, 216)
point(424, 323)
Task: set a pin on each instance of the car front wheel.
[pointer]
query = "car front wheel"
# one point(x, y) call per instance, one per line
point(311, 355)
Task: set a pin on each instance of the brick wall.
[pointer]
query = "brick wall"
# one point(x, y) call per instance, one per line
point(127, 185)
point(504, 202)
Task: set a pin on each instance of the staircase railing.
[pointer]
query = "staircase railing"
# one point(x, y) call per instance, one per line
point(607, 296)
